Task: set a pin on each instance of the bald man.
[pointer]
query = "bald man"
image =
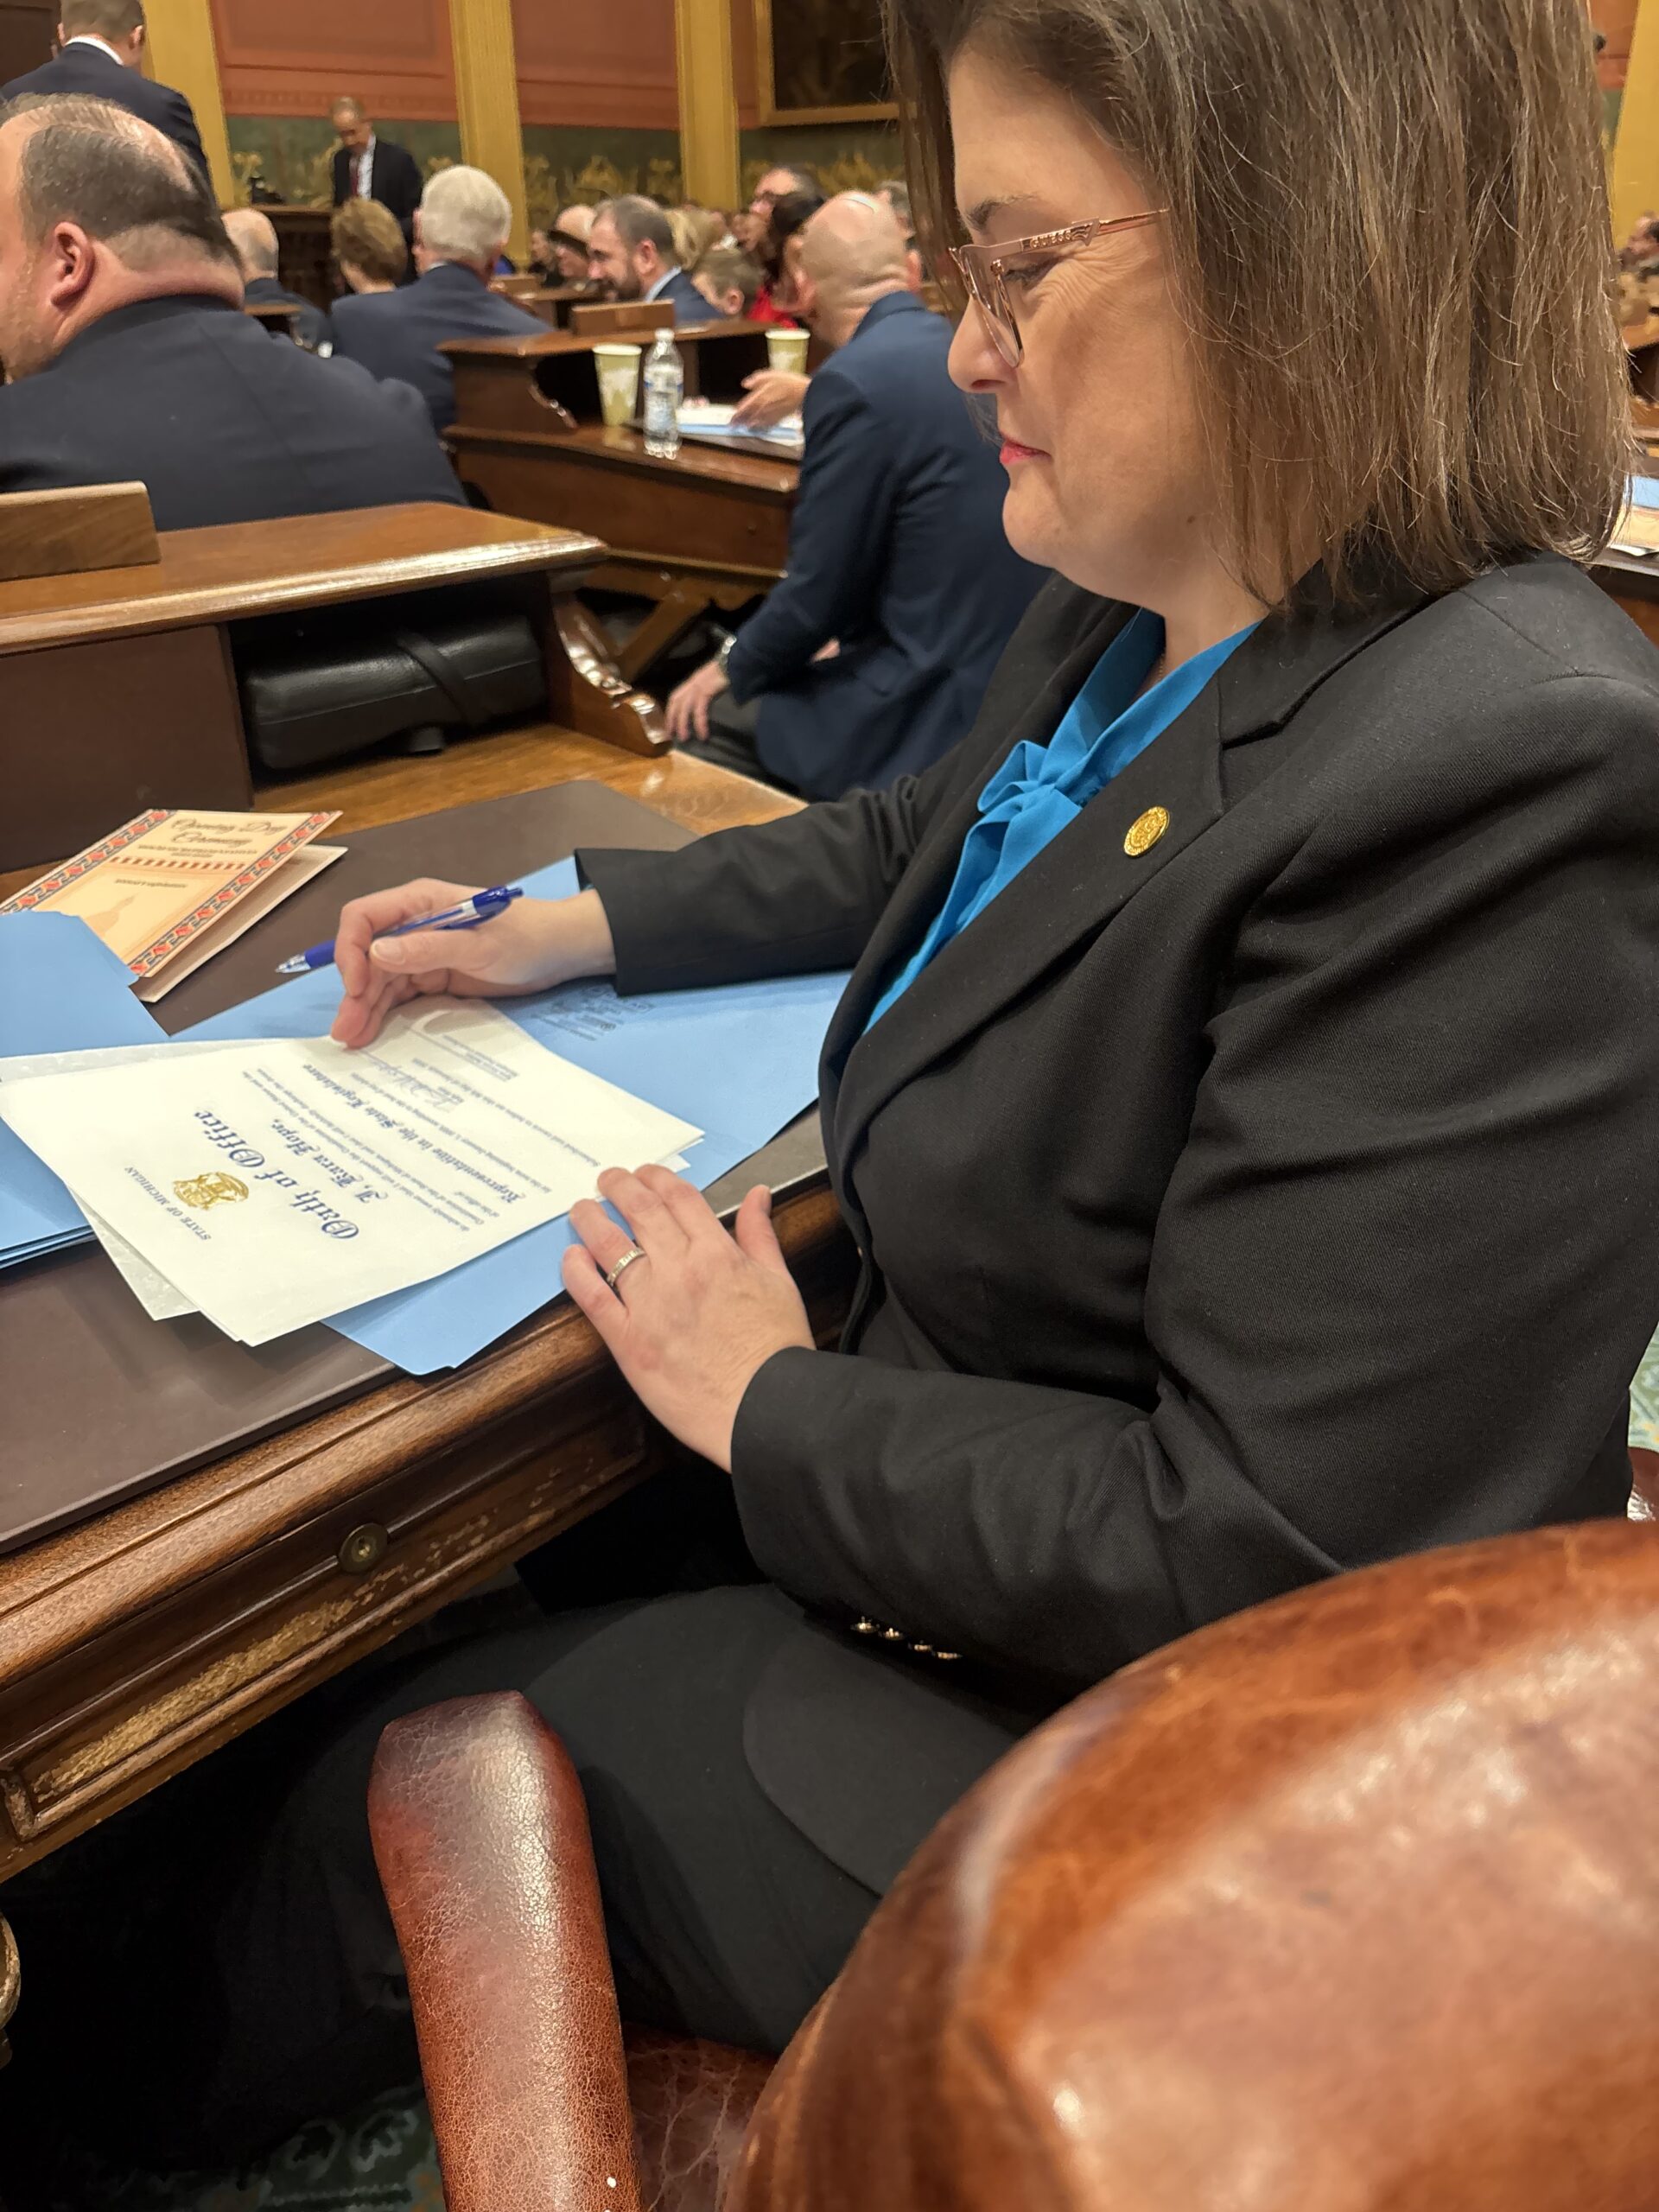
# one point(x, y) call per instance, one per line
point(254, 236)
point(870, 660)
point(121, 330)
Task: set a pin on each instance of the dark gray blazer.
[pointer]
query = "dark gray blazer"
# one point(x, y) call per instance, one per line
point(1275, 1199)
point(221, 420)
point(398, 333)
point(269, 292)
point(89, 70)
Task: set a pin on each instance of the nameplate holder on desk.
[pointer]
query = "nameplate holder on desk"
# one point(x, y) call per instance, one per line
point(63, 533)
point(621, 318)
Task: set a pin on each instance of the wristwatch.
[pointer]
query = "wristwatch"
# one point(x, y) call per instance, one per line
point(724, 655)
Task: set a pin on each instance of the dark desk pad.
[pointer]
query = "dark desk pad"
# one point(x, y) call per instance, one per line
point(98, 1403)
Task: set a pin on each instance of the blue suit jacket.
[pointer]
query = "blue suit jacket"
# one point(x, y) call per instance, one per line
point(897, 550)
point(88, 69)
point(223, 422)
point(398, 333)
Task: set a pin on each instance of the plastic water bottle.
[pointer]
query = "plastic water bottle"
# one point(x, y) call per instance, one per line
point(665, 389)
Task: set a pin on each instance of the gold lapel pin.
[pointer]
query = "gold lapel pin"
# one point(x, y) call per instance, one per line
point(1146, 831)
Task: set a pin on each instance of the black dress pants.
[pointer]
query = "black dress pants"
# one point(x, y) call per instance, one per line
point(213, 1970)
point(732, 742)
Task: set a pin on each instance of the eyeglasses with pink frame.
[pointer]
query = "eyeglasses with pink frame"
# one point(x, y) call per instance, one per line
point(985, 270)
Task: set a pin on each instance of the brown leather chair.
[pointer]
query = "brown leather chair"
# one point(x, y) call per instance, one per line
point(1348, 1902)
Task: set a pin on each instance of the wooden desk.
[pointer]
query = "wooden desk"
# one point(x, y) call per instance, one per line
point(279, 320)
point(708, 530)
point(120, 692)
point(139, 1640)
point(305, 253)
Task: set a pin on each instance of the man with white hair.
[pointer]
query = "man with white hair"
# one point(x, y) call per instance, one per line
point(254, 236)
point(870, 659)
point(461, 229)
point(122, 330)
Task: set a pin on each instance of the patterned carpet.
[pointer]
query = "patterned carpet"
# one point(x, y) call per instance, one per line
point(382, 2159)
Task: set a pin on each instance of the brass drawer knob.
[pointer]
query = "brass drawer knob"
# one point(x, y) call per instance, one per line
point(363, 1549)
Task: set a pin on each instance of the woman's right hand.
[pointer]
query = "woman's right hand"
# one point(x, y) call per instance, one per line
point(534, 945)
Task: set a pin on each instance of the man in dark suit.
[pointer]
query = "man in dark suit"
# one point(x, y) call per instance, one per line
point(103, 43)
point(631, 253)
point(141, 365)
point(254, 236)
point(461, 229)
point(370, 168)
point(870, 660)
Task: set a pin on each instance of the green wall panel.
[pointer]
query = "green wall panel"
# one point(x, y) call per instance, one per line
point(846, 157)
point(293, 153)
point(563, 165)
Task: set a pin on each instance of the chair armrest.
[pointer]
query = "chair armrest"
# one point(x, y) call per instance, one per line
point(480, 1836)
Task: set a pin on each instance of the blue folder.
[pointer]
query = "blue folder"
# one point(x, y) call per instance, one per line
point(61, 990)
point(740, 1061)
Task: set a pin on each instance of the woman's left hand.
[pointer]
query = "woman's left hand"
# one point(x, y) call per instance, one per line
point(691, 1323)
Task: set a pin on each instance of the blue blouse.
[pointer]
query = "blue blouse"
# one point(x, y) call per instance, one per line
point(1040, 789)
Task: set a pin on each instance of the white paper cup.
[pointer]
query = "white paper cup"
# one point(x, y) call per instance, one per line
point(786, 350)
point(619, 381)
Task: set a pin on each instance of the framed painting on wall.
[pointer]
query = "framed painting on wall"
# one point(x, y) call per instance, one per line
point(821, 61)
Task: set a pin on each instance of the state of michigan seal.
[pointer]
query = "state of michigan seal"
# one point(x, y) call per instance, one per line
point(207, 1192)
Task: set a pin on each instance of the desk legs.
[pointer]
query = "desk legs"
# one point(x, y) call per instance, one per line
point(102, 730)
point(589, 692)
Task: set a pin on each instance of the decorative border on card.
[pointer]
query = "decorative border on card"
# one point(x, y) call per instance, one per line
point(156, 956)
point(47, 886)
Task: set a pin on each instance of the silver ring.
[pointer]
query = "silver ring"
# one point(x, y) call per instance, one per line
point(613, 1275)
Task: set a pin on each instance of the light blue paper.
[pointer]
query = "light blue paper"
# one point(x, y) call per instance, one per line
point(1644, 491)
point(740, 1061)
point(61, 990)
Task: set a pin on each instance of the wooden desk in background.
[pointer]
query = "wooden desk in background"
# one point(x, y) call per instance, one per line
point(120, 691)
point(301, 1506)
point(280, 321)
point(707, 531)
point(305, 254)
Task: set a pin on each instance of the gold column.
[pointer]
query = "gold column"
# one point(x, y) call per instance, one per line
point(708, 100)
point(486, 93)
point(1635, 153)
point(182, 53)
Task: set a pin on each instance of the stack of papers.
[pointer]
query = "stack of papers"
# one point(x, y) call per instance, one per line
point(59, 990)
point(270, 1185)
point(709, 418)
point(1638, 533)
point(736, 1063)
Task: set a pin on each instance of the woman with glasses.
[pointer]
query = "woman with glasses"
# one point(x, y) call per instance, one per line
point(1244, 1100)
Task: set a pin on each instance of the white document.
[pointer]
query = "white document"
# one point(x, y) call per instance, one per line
point(277, 1183)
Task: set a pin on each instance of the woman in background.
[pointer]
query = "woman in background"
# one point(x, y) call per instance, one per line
point(369, 246)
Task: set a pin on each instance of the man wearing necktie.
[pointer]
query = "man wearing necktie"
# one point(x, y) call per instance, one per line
point(368, 167)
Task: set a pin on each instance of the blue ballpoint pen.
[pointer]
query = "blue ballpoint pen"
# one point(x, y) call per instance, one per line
point(482, 907)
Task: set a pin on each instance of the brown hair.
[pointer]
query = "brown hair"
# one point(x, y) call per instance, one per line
point(110, 19)
point(696, 231)
point(1388, 223)
point(87, 161)
point(368, 235)
point(727, 267)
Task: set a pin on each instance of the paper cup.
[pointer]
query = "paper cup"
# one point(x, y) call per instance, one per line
point(619, 381)
point(786, 349)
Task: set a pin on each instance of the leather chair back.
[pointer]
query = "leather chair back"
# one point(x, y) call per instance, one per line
point(1350, 1902)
